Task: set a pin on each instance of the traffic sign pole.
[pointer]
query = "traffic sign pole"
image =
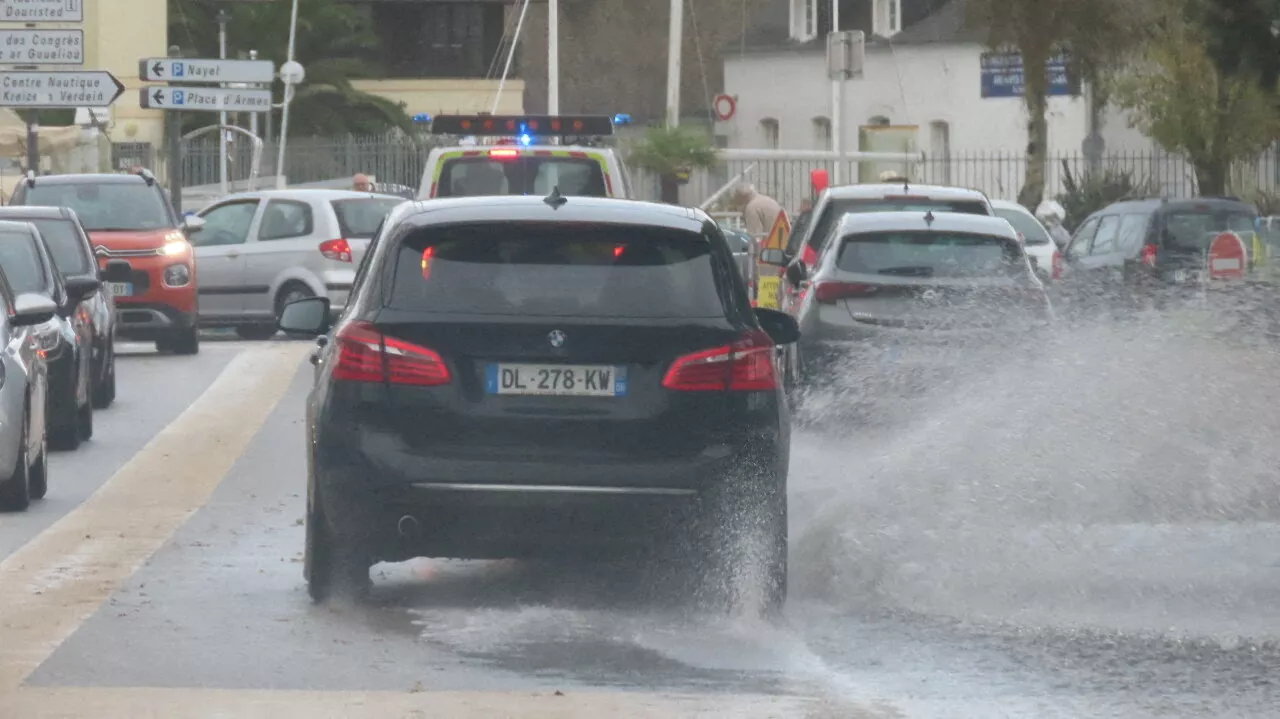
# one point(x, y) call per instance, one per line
point(173, 123)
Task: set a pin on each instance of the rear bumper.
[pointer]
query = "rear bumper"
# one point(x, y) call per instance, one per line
point(507, 506)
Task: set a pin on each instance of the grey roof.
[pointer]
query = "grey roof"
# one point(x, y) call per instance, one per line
point(916, 221)
point(948, 25)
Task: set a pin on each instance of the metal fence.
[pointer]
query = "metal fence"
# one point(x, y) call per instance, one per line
point(400, 160)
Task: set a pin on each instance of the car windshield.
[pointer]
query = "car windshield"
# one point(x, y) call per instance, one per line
point(469, 176)
point(358, 218)
point(21, 263)
point(65, 244)
point(105, 206)
point(838, 208)
point(1033, 233)
point(930, 254)
point(557, 269)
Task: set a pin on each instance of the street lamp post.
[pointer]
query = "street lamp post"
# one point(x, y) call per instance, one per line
point(223, 18)
point(291, 73)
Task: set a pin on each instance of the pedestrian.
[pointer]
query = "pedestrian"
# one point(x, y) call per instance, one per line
point(361, 183)
point(759, 212)
point(1053, 216)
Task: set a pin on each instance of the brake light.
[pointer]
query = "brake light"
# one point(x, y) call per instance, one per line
point(427, 254)
point(1056, 272)
point(367, 355)
point(746, 365)
point(827, 292)
point(1149, 255)
point(339, 250)
point(502, 153)
point(809, 256)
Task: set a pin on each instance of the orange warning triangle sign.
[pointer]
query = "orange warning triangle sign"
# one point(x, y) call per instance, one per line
point(778, 234)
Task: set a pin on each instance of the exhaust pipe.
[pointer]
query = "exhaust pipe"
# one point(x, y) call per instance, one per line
point(409, 528)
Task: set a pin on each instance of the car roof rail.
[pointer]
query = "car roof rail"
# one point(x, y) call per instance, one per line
point(146, 175)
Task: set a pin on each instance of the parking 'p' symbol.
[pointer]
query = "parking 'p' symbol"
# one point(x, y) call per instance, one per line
point(177, 69)
point(179, 97)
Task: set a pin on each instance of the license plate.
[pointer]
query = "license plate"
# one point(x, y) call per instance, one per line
point(122, 289)
point(556, 380)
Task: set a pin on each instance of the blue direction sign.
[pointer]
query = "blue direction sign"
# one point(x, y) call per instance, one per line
point(1002, 75)
point(196, 70)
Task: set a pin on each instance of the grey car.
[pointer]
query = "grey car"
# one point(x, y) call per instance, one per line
point(24, 469)
point(897, 284)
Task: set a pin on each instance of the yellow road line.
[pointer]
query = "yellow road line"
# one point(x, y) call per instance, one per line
point(131, 703)
point(50, 586)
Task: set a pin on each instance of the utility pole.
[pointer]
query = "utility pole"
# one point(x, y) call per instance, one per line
point(837, 104)
point(173, 121)
point(33, 140)
point(292, 73)
point(253, 116)
point(675, 40)
point(553, 57)
point(223, 18)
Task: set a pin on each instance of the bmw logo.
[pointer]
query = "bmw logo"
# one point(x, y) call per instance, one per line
point(929, 295)
point(556, 338)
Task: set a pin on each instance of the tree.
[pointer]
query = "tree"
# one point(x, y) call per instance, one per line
point(1093, 33)
point(335, 43)
point(669, 152)
point(1181, 99)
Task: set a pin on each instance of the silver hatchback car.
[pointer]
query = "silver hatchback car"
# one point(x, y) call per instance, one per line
point(258, 251)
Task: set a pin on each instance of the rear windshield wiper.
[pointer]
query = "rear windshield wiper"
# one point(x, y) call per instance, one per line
point(908, 271)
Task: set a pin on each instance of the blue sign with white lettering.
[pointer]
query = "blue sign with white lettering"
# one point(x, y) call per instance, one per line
point(177, 69)
point(179, 97)
point(1002, 75)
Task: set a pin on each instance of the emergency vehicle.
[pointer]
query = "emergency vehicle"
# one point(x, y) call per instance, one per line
point(525, 155)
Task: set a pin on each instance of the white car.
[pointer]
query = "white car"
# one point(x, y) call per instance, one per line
point(1036, 241)
point(258, 251)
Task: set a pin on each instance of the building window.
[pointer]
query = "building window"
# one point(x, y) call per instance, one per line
point(940, 147)
point(821, 133)
point(769, 133)
point(438, 39)
point(888, 17)
point(879, 120)
point(810, 25)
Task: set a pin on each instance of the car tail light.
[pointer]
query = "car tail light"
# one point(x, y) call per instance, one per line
point(827, 292)
point(503, 153)
point(1056, 272)
point(809, 256)
point(339, 250)
point(746, 365)
point(1149, 255)
point(367, 355)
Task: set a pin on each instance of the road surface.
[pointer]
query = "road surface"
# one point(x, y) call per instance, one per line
point(1028, 548)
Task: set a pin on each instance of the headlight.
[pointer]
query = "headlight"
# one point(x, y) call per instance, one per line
point(175, 247)
point(176, 275)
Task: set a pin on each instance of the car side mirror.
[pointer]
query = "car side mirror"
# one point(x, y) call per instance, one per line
point(32, 309)
point(79, 288)
point(116, 271)
point(780, 326)
point(796, 273)
point(192, 224)
point(307, 316)
point(777, 258)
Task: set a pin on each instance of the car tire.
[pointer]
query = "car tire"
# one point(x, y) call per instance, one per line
point(256, 333)
point(291, 292)
point(15, 491)
point(84, 422)
point(104, 391)
point(334, 566)
point(65, 431)
point(39, 473)
point(181, 342)
point(744, 549)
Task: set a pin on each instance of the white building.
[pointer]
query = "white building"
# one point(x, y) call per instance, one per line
point(921, 90)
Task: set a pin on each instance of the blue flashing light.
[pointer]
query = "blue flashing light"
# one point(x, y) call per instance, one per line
point(421, 118)
point(622, 118)
point(525, 139)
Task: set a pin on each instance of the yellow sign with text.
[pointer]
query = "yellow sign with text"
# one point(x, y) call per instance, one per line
point(767, 292)
point(768, 283)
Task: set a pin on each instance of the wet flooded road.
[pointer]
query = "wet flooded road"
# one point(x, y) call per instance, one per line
point(1086, 532)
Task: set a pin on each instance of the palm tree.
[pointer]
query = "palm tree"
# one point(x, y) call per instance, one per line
point(671, 153)
point(335, 43)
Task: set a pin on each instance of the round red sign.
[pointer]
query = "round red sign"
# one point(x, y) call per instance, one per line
point(724, 106)
point(1228, 257)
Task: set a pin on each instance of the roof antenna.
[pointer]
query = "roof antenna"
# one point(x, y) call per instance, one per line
point(906, 185)
point(928, 217)
point(555, 199)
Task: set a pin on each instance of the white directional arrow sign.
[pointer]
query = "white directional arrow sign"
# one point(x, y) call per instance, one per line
point(200, 99)
point(41, 10)
point(41, 47)
point(167, 69)
point(58, 88)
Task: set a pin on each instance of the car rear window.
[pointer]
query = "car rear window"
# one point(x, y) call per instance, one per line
point(1194, 228)
point(930, 254)
point(1033, 233)
point(65, 245)
point(358, 218)
point(574, 270)
point(522, 175)
point(21, 263)
point(839, 208)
